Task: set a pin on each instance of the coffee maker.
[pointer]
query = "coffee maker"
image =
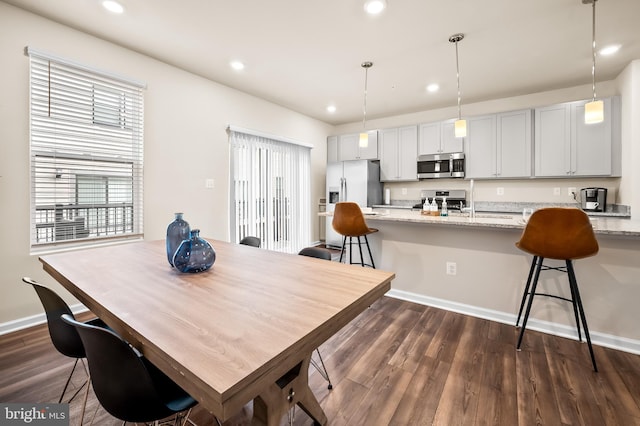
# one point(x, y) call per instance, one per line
point(593, 199)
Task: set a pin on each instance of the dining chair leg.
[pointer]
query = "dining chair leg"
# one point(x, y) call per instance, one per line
point(526, 288)
point(84, 401)
point(350, 250)
point(574, 283)
point(66, 385)
point(322, 369)
point(533, 292)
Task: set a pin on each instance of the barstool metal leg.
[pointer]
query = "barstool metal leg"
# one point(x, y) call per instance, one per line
point(574, 284)
point(350, 250)
point(360, 249)
point(373, 265)
point(574, 302)
point(344, 242)
point(526, 288)
point(533, 292)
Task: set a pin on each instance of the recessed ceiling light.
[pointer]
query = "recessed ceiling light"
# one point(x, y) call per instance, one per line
point(331, 108)
point(113, 6)
point(237, 65)
point(609, 50)
point(433, 87)
point(374, 7)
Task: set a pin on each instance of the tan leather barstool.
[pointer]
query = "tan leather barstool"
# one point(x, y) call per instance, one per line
point(348, 221)
point(561, 234)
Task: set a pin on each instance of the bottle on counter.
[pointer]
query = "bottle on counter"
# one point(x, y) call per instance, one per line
point(443, 210)
point(426, 207)
point(434, 207)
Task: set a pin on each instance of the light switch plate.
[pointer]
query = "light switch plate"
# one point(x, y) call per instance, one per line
point(209, 183)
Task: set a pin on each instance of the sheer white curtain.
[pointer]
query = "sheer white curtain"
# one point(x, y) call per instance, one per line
point(270, 191)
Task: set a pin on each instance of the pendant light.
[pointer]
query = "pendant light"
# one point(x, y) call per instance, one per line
point(460, 125)
point(594, 110)
point(364, 136)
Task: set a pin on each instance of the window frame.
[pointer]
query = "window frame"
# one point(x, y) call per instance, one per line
point(83, 122)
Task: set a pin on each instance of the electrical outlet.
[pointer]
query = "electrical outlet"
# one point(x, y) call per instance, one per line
point(571, 192)
point(452, 268)
point(500, 190)
point(404, 191)
point(556, 191)
point(209, 183)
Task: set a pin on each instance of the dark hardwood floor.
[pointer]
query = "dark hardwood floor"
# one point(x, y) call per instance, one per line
point(401, 363)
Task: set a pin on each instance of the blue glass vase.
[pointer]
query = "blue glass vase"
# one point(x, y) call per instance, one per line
point(177, 231)
point(194, 254)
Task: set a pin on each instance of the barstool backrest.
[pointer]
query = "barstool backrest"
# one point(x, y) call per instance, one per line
point(559, 233)
point(348, 220)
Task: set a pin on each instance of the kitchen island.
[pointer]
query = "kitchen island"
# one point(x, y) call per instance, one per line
point(472, 266)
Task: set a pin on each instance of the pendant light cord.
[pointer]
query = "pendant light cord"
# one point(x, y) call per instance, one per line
point(458, 80)
point(593, 51)
point(455, 39)
point(366, 66)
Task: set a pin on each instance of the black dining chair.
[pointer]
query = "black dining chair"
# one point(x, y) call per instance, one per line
point(125, 383)
point(250, 241)
point(319, 253)
point(64, 337)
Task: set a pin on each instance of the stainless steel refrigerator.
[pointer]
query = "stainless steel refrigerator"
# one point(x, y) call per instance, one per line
point(357, 181)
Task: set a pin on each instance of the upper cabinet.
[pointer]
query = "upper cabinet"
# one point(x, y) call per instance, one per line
point(439, 138)
point(398, 154)
point(499, 145)
point(349, 147)
point(566, 146)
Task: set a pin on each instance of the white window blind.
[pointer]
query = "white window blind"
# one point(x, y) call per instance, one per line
point(86, 136)
point(270, 192)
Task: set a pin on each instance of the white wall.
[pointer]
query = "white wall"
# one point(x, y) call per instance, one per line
point(185, 143)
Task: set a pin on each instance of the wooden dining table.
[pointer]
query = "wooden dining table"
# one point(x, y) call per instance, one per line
point(243, 330)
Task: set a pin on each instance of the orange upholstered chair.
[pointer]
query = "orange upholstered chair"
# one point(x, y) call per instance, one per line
point(560, 234)
point(348, 221)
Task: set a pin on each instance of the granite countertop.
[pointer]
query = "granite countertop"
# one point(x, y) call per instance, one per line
point(613, 210)
point(601, 225)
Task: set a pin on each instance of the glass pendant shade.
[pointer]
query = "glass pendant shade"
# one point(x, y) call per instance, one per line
point(594, 112)
point(460, 128)
point(364, 140)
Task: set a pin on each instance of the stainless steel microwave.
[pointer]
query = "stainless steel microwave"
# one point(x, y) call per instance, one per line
point(441, 166)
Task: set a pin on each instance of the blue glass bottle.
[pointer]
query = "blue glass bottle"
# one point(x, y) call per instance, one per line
point(194, 254)
point(177, 231)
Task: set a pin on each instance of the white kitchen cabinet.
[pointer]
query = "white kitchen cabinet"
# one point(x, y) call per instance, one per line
point(481, 147)
point(499, 146)
point(439, 138)
point(332, 149)
point(566, 146)
point(514, 140)
point(398, 154)
point(349, 147)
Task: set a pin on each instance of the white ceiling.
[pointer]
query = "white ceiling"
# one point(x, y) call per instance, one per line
point(306, 54)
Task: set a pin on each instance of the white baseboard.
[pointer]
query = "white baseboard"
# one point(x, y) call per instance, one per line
point(22, 323)
point(601, 339)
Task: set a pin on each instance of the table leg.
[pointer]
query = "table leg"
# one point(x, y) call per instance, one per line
point(293, 388)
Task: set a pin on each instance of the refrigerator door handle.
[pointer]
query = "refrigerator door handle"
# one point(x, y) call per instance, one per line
point(344, 189)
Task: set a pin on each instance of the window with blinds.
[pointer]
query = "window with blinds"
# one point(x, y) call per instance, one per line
point(86, 136)
point(270, 192)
